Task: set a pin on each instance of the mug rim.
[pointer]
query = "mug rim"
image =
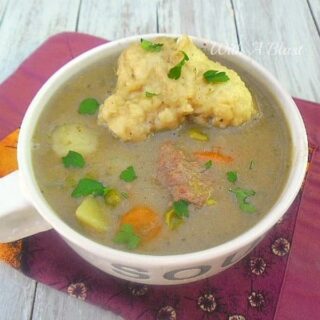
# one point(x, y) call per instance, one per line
point(285, 199)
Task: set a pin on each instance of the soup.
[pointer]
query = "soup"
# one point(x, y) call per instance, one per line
point(243, 169)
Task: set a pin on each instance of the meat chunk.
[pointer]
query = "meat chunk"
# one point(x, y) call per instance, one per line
point(182, 175)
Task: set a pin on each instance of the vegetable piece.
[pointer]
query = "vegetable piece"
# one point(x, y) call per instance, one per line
point(151, 94)
point(232, 176)
point(197, 134)
point(172, 220)
point(211, 202)
point(88, 106)
point(150, 46)
point(126, 235)
point(214, 156)
point(181, 209)
point(251, 165)
point(90, 214)
point(208, 164)
point(214, 76)
point(128, 175)
point(242, 198)
point(73, 159)
point(145, 222)
point(112, 197)
point(75, 137)
point(88, 186)
point(175, 72)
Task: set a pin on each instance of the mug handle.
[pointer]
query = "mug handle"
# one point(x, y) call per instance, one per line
point(18, 219)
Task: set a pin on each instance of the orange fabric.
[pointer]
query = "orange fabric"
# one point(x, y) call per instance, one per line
point(8, 153)
point(10, 252)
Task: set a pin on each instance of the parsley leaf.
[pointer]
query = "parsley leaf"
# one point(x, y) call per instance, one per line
point(150, 46)
point(88, 106)
point(232, 176)
point(151, 94)
point(208, 164)
point(214, 76)
point(88, 186)
point(128, 175)
point(180, 208)
point(242, 198)
point(175, 72)
point(126, 235)
point(73, 159)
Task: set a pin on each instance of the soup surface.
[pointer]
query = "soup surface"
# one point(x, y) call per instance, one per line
point(246, 181)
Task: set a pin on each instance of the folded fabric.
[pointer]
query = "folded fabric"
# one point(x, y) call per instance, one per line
point(278, 280)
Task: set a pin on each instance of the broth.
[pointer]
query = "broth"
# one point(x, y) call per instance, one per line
point(261, 151)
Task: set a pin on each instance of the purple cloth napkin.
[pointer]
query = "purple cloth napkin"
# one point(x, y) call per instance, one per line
point(280, 279)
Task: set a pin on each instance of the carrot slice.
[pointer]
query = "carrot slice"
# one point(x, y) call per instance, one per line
point(145, 222)
point(212, 155)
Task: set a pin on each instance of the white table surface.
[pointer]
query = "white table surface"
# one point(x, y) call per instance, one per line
point(283, 35)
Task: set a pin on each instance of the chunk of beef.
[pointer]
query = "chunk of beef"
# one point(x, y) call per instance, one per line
point(182, 175)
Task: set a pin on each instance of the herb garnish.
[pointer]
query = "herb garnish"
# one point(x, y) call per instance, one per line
point(151, 94)
point(208, 164)
point(150, 46)
point(251, 165)
point(73, 159)
point(175, 72)
point(242, 197)
point(214, 76)
point(126, 235)
point(232, 176)
point(180, 208)
point(88, 106)
point(128, 175)
point(88, 186)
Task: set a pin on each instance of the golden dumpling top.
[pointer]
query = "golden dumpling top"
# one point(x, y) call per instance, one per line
point(146, 100)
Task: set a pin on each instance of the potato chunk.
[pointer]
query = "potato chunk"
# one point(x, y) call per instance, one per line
point(91, 214)
point(75, 137)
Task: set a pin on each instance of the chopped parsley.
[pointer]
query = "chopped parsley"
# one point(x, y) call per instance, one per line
point(232, 176)
point(151, 94)
point(88, 106)
point(242, 198)
point(180, 208)
point(175, 72)
point(128, 175)
point(214, 76)
point(150, 46)
point(126, 235)
point(208, 164)
point(87, 186)
point(73, 159)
